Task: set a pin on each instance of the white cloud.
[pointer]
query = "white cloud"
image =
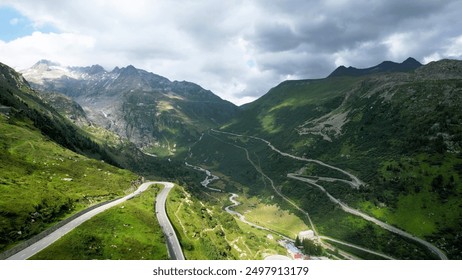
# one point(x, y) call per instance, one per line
point(237, 49)
point(65, 47)
point(454, 49)
point(432, 57)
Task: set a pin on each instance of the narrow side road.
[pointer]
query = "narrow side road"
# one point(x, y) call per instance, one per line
point(52, 237)
point(357, 247)
point(241, 217)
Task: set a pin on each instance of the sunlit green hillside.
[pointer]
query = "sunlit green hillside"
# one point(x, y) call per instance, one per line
point(42, 182)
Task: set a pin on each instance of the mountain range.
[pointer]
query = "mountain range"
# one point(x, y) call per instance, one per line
point(154, 113)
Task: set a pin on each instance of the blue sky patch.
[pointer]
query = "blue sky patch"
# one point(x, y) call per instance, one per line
point(14, 25)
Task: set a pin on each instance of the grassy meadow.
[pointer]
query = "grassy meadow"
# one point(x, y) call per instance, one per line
point(207, 232)
point(129, 231)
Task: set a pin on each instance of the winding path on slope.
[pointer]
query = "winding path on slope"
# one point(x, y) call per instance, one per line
point(210, 177)
point(55, 235)
point(355, 183)
point(381, 224)
point(235, 203)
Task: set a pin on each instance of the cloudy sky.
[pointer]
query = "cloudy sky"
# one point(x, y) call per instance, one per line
point(237, 49)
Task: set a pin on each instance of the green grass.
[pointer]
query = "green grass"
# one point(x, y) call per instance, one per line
point(284, 106)
point(197, 227)
point(42, 182)
point(207, 232)
point(102, 136)
point(269, 125)
point(271, 216)
point(421, 208)
point(128, 231)
point(160, 150)
point(255, 244)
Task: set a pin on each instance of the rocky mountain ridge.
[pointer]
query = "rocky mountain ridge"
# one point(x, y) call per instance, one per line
point(144, 108)
point(407, 65)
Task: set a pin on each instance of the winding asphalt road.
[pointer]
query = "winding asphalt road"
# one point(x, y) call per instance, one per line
point(356, 182)
point(52, 237)
point(173, 245)
point(356, 212)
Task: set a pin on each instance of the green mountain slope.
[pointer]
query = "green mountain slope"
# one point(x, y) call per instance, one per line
point(42, 182)
point(399, 132)
point(27, 104)
point(63, 121)
point(44, 176)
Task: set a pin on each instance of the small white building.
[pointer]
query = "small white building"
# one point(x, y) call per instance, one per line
point(308, 234)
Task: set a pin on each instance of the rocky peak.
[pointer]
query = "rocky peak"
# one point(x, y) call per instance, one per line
point(45, 62)
point(409, 64)
point(44, 65)
point(412, 61)
point(130, 70)
point(116, 70)
point(94, 69)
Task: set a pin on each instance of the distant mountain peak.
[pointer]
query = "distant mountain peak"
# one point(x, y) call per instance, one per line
point(94, 69)
point(116, 70)
point(411, 60)
point(91, 70)
point(46, 62)
point(407, 65)
point(130, 70)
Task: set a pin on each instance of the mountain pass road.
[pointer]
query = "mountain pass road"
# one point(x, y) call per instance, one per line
point(160, 210)
point(173, 245)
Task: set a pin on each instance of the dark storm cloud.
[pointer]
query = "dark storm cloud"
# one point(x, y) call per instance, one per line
point(275, 37)
point(358, 32)
point(343, 24)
